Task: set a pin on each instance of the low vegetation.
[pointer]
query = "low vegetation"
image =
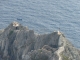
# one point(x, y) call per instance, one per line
point(64, 57)
point(10, 33)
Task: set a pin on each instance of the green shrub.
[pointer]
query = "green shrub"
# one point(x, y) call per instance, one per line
point(10, 33)
point(64, 57)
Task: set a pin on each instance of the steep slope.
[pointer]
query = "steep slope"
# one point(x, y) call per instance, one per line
point(19, 43)
point(70, 52)
point(67, 51)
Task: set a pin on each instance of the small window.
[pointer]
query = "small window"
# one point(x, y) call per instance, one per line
point(16, 28)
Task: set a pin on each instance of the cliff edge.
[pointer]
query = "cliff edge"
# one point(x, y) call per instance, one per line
point(19, 43)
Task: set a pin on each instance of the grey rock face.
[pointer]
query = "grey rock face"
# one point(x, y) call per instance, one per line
point(19, 43)
point(70, 52)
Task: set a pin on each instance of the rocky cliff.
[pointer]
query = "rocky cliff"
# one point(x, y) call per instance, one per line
point(19, 43)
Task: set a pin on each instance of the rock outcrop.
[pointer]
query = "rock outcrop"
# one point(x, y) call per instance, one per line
point(19, 43)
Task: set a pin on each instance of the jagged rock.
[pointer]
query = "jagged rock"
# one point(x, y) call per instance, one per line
point(19, 43)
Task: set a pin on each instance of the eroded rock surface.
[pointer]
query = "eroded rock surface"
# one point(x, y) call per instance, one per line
point(19, 43)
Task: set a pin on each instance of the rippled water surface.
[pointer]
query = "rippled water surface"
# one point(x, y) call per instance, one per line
point(44, 16)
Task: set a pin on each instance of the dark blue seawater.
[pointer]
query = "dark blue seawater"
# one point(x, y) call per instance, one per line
point(44, 16)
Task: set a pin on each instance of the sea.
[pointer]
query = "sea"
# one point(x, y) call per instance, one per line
point(44, 16)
